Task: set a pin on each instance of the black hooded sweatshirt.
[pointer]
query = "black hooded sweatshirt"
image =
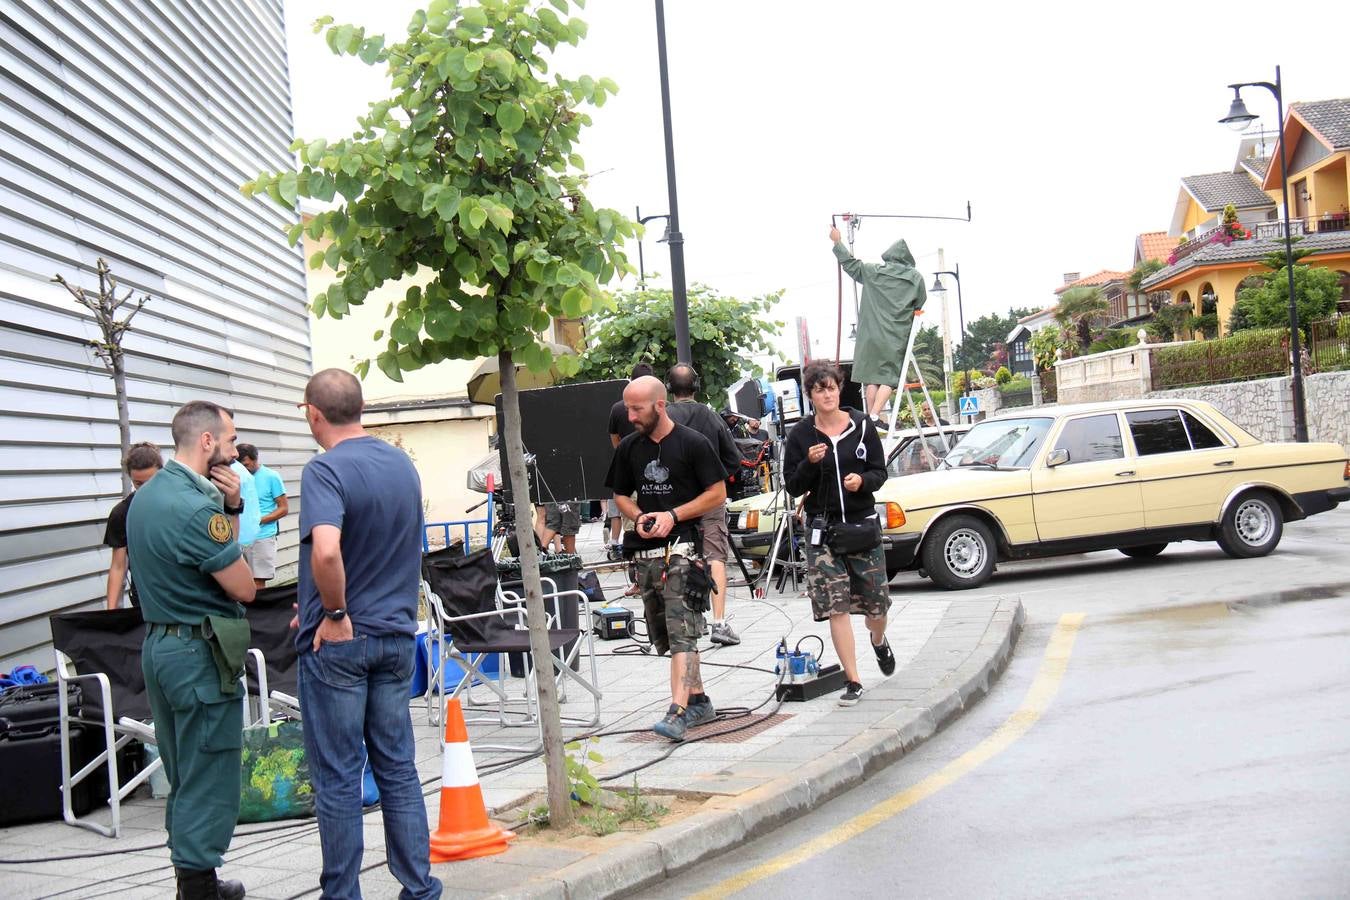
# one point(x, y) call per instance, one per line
point(823, 482)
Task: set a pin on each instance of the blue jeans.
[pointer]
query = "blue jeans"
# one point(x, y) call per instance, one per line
point(352, 692)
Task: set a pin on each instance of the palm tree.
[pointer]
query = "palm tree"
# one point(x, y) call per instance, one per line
point(1077, 310)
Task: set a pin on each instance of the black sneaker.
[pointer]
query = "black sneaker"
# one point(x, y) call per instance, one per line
point(885, 658)
point(851, 695)
point(879, 425)
point(673, 726)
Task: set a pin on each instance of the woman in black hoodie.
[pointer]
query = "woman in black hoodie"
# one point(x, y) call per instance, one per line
point(835, 458)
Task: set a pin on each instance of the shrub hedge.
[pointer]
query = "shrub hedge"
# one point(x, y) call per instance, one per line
point(1257, 353)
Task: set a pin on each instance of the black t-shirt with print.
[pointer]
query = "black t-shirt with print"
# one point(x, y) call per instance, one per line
point(667, 474)
point(618, 420)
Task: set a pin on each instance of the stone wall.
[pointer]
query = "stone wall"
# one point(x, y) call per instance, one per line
point(1328, 399)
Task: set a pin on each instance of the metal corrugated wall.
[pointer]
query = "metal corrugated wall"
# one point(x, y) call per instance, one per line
point(125, 131)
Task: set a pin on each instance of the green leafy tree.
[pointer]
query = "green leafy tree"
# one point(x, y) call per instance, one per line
point(1079, 311)
point(1047, 345)
point(1142, 271)
point(468, 169)
point(724, 333)
point(1113, 339)
point(1316, 291)
point(981, 337)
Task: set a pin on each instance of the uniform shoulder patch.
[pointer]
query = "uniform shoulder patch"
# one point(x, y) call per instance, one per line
point(218, 528)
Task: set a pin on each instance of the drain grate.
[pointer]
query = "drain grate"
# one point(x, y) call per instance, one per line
point(721, 732)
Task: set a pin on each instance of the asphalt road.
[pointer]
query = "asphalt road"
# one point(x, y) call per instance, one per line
point(1196, 744)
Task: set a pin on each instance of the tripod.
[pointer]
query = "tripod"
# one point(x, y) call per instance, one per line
point(785, 528)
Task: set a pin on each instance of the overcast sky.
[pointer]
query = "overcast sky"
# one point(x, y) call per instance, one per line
point(1066, 125)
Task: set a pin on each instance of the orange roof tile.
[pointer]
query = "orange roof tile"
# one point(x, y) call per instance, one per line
point(1155, 245)
point(1103, 277)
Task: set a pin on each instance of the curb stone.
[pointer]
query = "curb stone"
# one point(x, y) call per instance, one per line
point(729, 821)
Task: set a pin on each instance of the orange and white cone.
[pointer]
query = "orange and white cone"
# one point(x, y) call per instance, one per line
point(464, 831)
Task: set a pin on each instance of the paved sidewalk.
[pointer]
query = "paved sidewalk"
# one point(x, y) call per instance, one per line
point(948, 652)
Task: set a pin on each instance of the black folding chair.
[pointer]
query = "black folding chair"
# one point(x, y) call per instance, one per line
point(473, 619)
point(104, 648)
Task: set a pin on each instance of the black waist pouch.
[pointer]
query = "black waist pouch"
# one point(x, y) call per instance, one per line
point(854, 537)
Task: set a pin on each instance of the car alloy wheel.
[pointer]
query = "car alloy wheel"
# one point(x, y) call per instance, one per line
point(959, 552)
point(1255, 521)
point(964, 552)
point(1251, 526)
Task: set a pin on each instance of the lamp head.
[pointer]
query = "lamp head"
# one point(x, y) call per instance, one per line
point(665, 235)
point(938, 287)
point(1238, 117)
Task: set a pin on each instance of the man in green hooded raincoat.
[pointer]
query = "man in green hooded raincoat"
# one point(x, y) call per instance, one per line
point(891, 293)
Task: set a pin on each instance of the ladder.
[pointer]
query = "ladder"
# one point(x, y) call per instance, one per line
point(906, 387)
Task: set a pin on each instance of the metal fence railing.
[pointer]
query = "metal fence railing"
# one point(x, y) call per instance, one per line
point(1202, 363)
point(1329, 344)
point(1049, 387)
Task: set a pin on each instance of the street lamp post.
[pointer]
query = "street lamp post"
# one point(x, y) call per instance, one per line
point(676, 240)
point(941, 289)
point(643, 220)
point(1239, 116)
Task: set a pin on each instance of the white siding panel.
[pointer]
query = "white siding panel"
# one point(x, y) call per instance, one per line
point(125, 131)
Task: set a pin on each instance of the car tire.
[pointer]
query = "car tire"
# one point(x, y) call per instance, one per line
point(1251, 526)
point(959, 553)
point(1143, 551)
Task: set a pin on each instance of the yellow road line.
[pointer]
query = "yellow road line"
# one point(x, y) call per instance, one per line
point(1039, 695)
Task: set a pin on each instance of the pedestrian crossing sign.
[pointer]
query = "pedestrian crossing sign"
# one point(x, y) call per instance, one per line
point(970, 406)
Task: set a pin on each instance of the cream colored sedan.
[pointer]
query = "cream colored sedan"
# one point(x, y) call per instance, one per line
point(1127, 475)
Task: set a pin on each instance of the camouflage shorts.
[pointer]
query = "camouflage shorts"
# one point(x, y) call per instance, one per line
point(671, 625)
point(855, 583)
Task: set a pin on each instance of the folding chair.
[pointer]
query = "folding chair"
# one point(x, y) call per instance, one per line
point(469, 625)
point(276, 683)
point(104, 648)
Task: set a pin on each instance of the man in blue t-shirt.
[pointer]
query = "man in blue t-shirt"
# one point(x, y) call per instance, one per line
point(360, 574)
point(273, 506)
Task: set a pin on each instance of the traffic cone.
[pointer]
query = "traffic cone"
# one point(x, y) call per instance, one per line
point(464, 831)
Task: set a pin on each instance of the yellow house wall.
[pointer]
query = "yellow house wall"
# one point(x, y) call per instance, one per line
point(1194, 216)
point(443, 452)
point(1224, 282)
point(1328, 186)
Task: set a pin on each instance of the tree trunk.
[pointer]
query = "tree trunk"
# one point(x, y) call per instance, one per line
point(123, 418)
point(559, 791)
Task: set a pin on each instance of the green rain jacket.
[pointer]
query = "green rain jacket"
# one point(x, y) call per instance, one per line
point(891, 293)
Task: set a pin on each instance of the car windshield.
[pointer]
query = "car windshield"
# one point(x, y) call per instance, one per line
point(1000, 444)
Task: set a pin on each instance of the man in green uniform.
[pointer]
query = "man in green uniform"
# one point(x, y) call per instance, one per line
point(191, 576)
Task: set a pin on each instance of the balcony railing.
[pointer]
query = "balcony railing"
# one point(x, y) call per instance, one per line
point(1268, 231)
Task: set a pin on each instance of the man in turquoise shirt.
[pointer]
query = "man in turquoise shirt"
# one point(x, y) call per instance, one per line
point(261, 555)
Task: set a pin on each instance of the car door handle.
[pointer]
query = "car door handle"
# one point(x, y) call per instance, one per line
point(1125, 474)
point(1224, 462)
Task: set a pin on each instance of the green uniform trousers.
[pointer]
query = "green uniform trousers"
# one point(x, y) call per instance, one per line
point(200, 732)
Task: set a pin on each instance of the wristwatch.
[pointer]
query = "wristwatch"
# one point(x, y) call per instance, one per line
point(335, 615)
point(235, 510)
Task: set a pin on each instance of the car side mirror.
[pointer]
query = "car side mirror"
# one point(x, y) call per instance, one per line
point(1058, 457)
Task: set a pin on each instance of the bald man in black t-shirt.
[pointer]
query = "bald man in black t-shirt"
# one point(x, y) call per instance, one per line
point(677, 477)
